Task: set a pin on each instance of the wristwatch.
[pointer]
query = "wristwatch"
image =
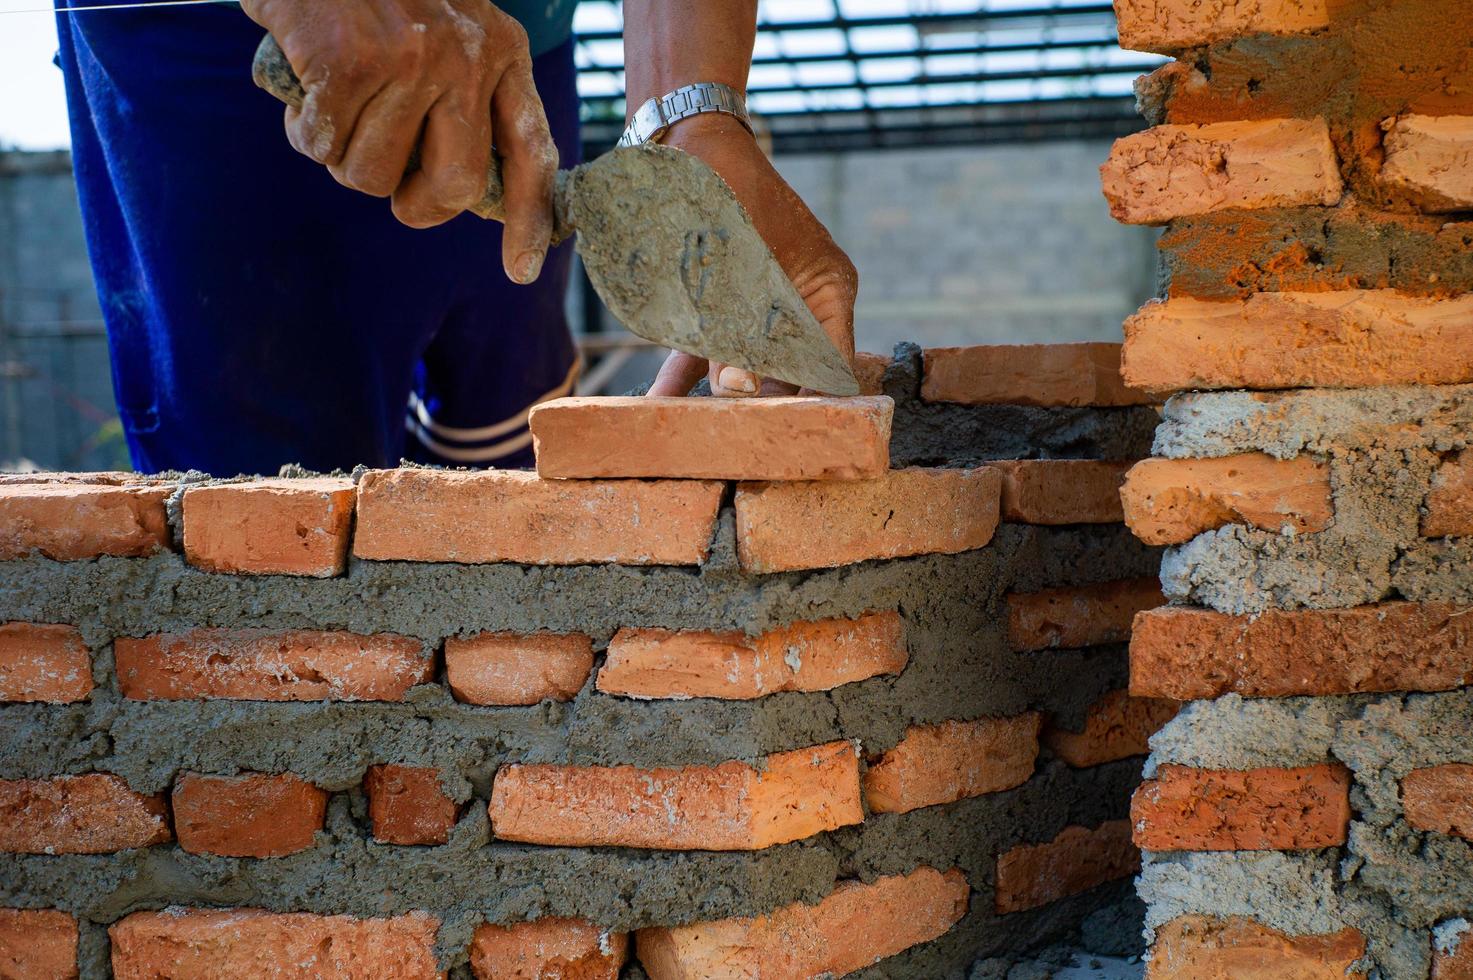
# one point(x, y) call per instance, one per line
point(658, 114)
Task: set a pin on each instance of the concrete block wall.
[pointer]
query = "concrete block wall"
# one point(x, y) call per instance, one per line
point(1306, 814)
point(496, 724)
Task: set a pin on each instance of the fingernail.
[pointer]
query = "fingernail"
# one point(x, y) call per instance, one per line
point(735, 379)
point(528, 266)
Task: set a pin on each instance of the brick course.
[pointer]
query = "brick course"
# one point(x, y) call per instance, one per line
point(1030, 876)
point(270, 527)
point(1079, 615)
point(1430, 159)
point(1046, 375)
point(1061, 491)
point(255, 815)
point(406, 805)
point(70, 522)
point(41, 662)
point(954, 760)
point(547, 949)
point(1185, 809)
point(1199, 947)
point(1117, 726)
point(1440, 799)
point(95, 813)
point(37, 944)
point(1168, 26)
point(1171, 501)
point(510, 668)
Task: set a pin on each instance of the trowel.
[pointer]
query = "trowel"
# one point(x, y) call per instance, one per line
point(671, 252)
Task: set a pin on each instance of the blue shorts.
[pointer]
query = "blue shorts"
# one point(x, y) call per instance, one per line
point(258, 313)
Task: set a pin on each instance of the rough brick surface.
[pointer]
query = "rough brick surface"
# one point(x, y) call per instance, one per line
point(869, 371)
point(1197, 947)
point(1187, 654)
point(204, 944)
point(952, 761)
point(1450, 503)
point(37, 944)
point(270, 527)
point(1185, 809)
point(1171, 501)
point(510, 668)
point(1177, 171)
point(1079, 615)
point(1061, 491)
point(69, 521)
point(786, 526)
point(254, 815)
point(1440, 799)
point(1348, 339)
point(729, 807)
point(1047, 375)
point(1117, 726)
point(1430, 159)
point(94, 813)
point(1078, 859)
point(40, 662)
point(511, 516)
point(407, 805)
point(805, 656)
point(1453, 962)
point(266, 665)
point(547, 949)
point(855, 926)
point(713, 438)
point(1172, 25)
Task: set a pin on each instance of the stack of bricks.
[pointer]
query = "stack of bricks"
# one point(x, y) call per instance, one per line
point(787, 688)
point(1308, 813)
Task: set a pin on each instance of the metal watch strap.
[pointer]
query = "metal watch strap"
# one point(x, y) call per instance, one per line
point(659, 114)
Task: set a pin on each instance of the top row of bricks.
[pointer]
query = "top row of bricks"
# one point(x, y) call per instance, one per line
point(1169, 26)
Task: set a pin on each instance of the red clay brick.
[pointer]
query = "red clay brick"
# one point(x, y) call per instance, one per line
point(1198, 947)
point(729, 807)
point(1079, 615)
point(1117, 726)
point(1452, 960)
point(205, 944)
point(1440, 799)
point(713, 438)
point(855, 926)
point(270, 527)
point(406, 805)
point(953, 761)
point(254, 815)
point(511, 516)
point(815, 656)
point(37, 944)
point(548, 949)
point(1430, 159)
point(1168, 26)
point(94, 813)
point(1061, 491)
point(69, 522)
point(1173, 171)
point(513, 668)
point(786, 526)
point(1450, 503)
point(1171, 501)
point(1185, 809)
point(869, 371)
point(101, 478)
point(1348, 339)
point(1189, 654)
point(1033, 875)
point(1048, 375)
point(43, 663)
point(269, 665)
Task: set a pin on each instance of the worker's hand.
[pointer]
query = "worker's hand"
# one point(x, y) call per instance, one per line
point(820, 270)
point(453, 75)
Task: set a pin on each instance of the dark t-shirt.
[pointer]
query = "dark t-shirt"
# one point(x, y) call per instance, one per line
point(548, 22)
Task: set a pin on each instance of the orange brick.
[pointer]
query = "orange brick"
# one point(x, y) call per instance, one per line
point(1440, 799)
point(1168, 26)
point(816, 656)
point(1171, 501)
point(267, 665)
point(1061, 491)
point(1048, 375)
point(43, 663)
point(1450, 503)
point(786, 526)
point(69, 522)
point(270, 527)
point(869, 371)
point(512, 668)
point(953, 761)
point(1185, 809)
point(203, 944)
point(855, 926)
point(1349, 339)
point(101, 478)
point(511, 516)
point(548, 949)
point(254, 815)
point(1430, 159)
point(1198, 947)
point(713, 438)
point(1189, 654)
point(1117, 726)
point(1033, 875)
point(39, 944)
point(729, 807)
point(1079, 615)
point(1452, 956)
point(91, 814)
point(1172, 171)
point(407, 805)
